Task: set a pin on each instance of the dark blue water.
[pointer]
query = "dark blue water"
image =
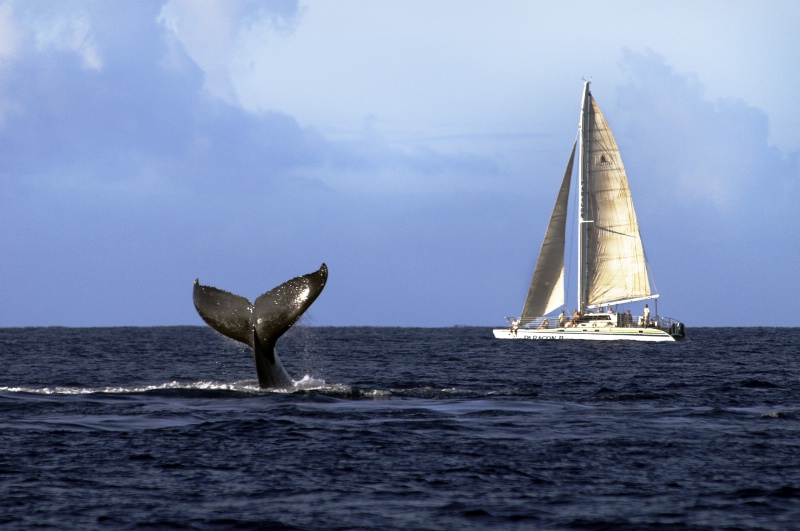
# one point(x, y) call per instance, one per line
point(125, 428)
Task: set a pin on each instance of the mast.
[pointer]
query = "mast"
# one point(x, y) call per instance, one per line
point(583, 199)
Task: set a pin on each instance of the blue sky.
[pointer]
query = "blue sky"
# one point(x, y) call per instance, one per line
point(416, 147)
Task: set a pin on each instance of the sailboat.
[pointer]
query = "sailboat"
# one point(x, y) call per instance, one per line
point(612, 267)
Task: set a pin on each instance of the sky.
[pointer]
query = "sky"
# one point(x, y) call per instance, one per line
point(414, 147)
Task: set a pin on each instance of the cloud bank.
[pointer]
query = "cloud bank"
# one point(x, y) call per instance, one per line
point(137, 154)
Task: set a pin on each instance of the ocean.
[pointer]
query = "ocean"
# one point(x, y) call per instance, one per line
point(398, 428)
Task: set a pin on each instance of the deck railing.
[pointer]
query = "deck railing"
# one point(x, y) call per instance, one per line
point(667, 324)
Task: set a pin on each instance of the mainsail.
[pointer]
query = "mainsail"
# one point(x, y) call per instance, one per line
point(614, 268)
point(547, 286)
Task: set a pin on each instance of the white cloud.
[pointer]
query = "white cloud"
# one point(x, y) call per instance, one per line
point(425, 68)
point(72, 34)
point(709, 154)
point(9, 46)
point(9, 36)
point(217, 33)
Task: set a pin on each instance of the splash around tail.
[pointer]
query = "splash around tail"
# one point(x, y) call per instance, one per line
point(260, 325)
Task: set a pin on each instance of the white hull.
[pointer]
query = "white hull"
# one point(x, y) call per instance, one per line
point(587, 334)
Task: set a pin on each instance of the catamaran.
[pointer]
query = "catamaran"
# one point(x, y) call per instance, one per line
point(612, 267)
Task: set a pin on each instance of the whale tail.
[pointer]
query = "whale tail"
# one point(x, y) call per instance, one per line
point(260, 325)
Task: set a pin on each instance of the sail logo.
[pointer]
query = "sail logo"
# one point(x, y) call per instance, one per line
point(605, 161)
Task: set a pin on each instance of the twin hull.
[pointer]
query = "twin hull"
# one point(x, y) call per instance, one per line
point(586, 334)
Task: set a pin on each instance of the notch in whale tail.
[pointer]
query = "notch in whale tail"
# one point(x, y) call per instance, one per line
point(260, 325)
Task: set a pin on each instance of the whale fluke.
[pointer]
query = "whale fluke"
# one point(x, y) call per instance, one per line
point(260, 325)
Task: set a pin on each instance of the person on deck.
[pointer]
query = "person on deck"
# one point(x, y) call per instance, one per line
point(646, 315)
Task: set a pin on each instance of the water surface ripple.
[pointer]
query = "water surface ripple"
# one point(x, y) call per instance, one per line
point(396, 428)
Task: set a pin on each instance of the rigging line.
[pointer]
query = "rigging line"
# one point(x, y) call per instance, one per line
point(649, 272)
point(618, 233)
point(603, 143)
